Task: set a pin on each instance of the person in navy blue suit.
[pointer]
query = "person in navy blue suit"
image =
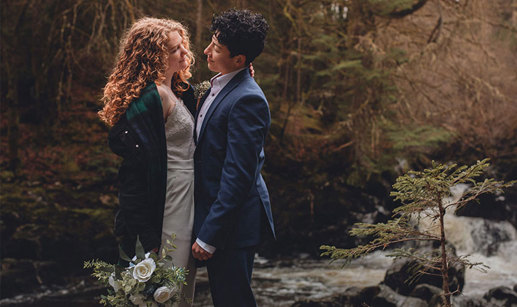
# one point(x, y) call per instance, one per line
point(232, 208)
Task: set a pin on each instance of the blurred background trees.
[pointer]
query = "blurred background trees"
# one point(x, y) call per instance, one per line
point(359, 90)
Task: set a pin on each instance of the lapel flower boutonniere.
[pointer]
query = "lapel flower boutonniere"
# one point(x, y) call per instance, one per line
point(201, 88)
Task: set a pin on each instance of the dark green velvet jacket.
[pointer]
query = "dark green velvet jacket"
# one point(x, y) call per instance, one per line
point(139, 138)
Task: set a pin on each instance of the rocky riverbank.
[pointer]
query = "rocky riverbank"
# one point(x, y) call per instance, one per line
point(376, 280)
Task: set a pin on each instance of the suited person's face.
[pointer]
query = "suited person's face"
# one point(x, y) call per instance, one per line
point(219, 60)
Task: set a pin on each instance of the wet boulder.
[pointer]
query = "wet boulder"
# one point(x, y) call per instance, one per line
point(501, 296)
point(353, 296)
point(399, 274)
point(389, 298)
point(25, 275)
point(425, 292)
point(361, 296)
point(498, 207)
point(489, 236)
point(463, 301)
point(328, 302)
point(374, 296)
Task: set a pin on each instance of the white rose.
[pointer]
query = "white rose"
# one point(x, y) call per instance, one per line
point(138, 299)
point(162, 294)
point(114, 283)
point(143, 271)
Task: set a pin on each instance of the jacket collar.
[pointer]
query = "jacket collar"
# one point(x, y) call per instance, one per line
point(222, 94)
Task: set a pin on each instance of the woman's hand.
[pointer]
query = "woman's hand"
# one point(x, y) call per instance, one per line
point(252, 71)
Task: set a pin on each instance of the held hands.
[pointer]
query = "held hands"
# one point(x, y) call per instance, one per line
point(199, 253)
point(252, 71)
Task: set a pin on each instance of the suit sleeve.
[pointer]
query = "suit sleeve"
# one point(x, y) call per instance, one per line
point(248, 123)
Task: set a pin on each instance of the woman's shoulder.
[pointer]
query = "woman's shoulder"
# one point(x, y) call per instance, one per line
point(150, 91)
point(149, 100)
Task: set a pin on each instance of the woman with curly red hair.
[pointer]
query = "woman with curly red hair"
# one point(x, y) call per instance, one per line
point(149, 105)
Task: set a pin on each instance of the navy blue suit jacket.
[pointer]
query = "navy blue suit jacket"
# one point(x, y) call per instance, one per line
point(231, 198)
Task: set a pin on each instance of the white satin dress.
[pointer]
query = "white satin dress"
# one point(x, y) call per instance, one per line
point(178, 217)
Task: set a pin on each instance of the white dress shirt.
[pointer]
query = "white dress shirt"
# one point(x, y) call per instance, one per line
point(218, 82)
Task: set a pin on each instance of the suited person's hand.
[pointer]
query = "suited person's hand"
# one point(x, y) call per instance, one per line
point(199, 253)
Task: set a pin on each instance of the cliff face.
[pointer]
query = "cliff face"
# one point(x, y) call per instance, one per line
point(460, 72)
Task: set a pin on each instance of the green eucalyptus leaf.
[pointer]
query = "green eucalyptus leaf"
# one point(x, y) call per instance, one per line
point(139, 249)
point(122, 254)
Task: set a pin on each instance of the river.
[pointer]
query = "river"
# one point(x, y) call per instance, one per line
point(282, 282)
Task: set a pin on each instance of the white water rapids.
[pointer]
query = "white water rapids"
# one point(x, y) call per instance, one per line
point(280, 283)
point(492, 243)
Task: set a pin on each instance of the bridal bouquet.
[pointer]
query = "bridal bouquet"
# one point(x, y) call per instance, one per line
point(149, 280)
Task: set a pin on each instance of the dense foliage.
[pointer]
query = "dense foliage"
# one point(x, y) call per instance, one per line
point(359, 92)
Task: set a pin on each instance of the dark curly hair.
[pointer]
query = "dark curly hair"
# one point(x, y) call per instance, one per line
point(241, 31)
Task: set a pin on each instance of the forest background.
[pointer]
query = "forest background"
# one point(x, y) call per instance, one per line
point(360, 91)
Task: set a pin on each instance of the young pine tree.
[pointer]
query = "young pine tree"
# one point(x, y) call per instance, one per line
point(424, 194)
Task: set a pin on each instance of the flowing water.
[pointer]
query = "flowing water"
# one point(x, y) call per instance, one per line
point(492, 243)
point(283, 282)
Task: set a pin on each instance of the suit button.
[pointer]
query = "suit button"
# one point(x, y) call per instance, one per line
point(125, 132)
point(136, 146)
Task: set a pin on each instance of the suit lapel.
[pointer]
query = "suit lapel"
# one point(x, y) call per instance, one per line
point(198, 107)
point(202, 100)
point(220, 97)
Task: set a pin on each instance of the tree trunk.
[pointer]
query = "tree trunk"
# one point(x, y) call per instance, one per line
point(284, 97)
point(13, 112)
point(446, 296)
point(299, 72)
point(13, 120)
point(199, 24)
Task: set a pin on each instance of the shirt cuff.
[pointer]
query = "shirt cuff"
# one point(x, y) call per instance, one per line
point(207, 247)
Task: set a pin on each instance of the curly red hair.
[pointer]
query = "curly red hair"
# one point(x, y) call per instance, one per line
point(142, 59)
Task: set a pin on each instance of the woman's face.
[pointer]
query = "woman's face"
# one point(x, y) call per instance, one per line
point(178, 59)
